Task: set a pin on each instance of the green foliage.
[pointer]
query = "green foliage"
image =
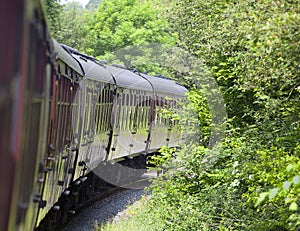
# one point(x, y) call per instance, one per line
point(250, 47)
point(287, 192)
point(67, 22)
point(202, 119)
point(158, 160)
point(120, 23)
point(72, 31)
point(53, 13)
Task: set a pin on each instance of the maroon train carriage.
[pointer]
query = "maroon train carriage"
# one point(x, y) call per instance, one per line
point(25, 79)
point(58, 165)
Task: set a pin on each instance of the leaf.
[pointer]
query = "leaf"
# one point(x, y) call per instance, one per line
point(290, 167)
point(273, 193)
point(289, 200)
point(296, 179)
point(261, 198)
point(293, 206)
point(286, 185)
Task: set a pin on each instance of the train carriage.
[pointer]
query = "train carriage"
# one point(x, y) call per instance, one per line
point(63, 114)
point(58, 164)
point(96, 95)
point(131, 127)
point(26, 65)
point(166, 93)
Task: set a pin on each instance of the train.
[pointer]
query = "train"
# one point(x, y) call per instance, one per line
point(64, 115)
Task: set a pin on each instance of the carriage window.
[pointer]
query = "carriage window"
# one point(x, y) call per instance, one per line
point(143, 101)
point(66, 69)
point(127, 99)
point(135, 100)
point(123, 95)
point(131, 100)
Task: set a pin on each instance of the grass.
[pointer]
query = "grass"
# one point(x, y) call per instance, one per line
point(130, 219)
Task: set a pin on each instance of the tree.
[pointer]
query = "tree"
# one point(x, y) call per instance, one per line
point(249, 47)
point(252, 49)
point(53, 12)
point(120, 23)
point(72, 25)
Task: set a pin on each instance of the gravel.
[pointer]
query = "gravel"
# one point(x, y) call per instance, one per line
point(104, 210)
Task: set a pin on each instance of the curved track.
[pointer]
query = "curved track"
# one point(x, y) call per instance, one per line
point(85, 192)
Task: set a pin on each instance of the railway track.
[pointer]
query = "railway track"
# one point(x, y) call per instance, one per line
point(76, 199)
point(110, 191)
point(104, 210)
